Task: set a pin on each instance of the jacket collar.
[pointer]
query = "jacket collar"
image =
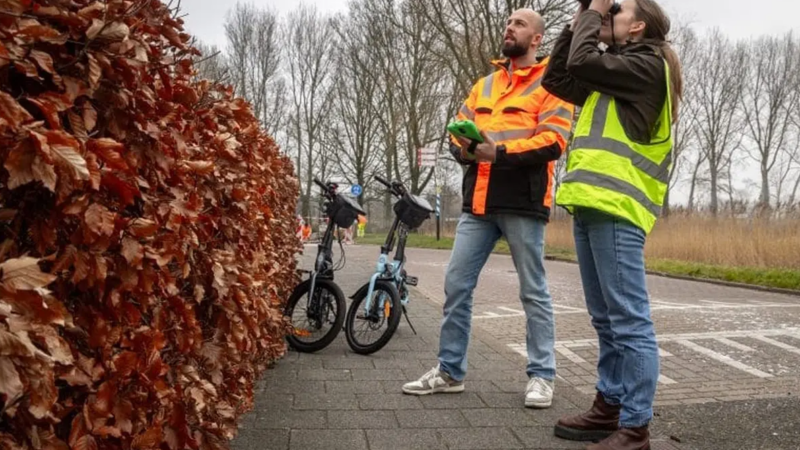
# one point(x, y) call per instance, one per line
point(504, 64)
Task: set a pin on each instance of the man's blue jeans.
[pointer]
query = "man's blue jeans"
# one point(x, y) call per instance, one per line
point(475, 239)
point(611, 259)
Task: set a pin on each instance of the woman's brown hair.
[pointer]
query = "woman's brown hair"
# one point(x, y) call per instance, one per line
point(656, 30)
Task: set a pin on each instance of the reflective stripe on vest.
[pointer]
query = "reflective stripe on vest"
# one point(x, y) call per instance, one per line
point(609, 172)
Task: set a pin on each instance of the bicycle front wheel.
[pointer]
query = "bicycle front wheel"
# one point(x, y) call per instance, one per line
point(368, 331)
point(317, 318)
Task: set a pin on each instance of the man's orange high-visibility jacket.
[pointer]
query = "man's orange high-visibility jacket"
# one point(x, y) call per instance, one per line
point(531, 128)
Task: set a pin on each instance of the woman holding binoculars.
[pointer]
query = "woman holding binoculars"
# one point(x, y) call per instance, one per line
point(617, 172)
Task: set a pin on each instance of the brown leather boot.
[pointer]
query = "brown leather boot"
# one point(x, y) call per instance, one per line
point(625, 439)
point(598, 423)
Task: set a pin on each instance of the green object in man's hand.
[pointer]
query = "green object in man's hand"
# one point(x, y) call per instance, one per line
point(466, 129)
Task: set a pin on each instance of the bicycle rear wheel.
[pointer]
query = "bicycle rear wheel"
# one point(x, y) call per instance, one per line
point(369, 331)
point(316, 319)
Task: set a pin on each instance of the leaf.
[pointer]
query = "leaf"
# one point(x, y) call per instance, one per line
point(125, 364)
point(12, 345)
point(45, 62)
point(109, 151)
point(58, 348)
point(115, 31)
point(44, 172)
point(95, 72)
point(86, 442)
point(24, 274)
point(12, 114)
point(64, 151)
point(132, 251)
point(200, 167)
point(89, 116)
point(43, 394)
point(10, 383)
point(127, 192)
point(19, 165)
point(104, 398)
point(149, 439)
point(31, 28)
point(143, 228)
point(77, 207)
point(77, 125)
point(100, 220)
point(123, 410)
point(95, 177)
point(94, 30)
point(27, 68)
point(76, 377)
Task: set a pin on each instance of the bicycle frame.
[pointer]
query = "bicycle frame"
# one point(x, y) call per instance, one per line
point(390, 270)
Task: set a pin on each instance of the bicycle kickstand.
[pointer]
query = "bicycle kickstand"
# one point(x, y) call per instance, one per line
point(405, 313)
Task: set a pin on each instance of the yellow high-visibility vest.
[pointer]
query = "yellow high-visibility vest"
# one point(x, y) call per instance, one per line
point(608, 171)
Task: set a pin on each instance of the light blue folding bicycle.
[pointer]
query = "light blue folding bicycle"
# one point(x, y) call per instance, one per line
point(374, 314)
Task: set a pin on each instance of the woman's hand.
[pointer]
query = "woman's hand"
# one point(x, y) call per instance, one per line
point(602, 6)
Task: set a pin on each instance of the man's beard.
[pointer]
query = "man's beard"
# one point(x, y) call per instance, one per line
point(514, 50)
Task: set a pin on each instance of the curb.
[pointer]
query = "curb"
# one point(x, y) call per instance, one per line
point(753, 287)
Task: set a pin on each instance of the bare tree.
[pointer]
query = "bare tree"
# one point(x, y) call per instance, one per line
point(310, 42)
point(471, 31)
point(687, 46)
point(254, 56)
point(768, 102)
point(355, 132)
point(718, 120)
point(211, 65)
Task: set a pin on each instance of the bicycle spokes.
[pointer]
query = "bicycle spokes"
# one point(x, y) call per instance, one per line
point(316, 315)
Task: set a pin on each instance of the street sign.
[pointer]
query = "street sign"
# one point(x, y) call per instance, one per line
point(356, 190)
point(426, 157)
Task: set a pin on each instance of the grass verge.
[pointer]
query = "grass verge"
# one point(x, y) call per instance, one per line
point(755, 276)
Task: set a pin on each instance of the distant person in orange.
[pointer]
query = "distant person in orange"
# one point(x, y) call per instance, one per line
point(362, 225)
point(306, 232)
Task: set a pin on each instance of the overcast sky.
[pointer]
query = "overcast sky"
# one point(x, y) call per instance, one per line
point(737, 18)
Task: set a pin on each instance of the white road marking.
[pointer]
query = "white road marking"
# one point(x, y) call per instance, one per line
point(663, 353)
point(570, 355)
point(708, 335)
point(778, 344)
point(723, 359)
point(735, 344)
point(511, 310)
point(666, 380)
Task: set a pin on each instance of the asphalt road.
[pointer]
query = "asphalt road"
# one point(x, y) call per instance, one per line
point(730, 357)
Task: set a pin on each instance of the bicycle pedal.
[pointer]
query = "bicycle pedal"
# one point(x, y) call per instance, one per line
point(411, 281)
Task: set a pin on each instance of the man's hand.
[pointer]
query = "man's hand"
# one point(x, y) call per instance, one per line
point(602, 6)
point(484, 151)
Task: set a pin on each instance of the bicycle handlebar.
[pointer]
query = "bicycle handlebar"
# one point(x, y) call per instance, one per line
point(396, 187)
point(384, 182)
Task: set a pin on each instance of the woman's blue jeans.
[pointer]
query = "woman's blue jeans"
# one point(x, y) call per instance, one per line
point(611, 258)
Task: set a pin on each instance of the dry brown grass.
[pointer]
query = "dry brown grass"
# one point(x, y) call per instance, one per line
point(722, 241)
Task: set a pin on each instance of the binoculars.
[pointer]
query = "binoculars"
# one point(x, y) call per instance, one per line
point(614, 9)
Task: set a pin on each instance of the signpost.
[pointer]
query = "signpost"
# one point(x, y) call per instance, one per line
point(356, 190)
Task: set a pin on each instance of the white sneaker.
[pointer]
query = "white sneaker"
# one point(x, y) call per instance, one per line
point(539, 393)
point(433, 382)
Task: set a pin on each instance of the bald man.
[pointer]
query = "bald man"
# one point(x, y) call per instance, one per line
point(507, 193)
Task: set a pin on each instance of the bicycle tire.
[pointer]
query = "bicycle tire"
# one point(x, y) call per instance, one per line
point(300, 292)
point(393, 320)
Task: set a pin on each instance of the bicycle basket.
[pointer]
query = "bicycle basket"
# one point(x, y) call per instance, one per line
point(412, 210)
point(343, 211)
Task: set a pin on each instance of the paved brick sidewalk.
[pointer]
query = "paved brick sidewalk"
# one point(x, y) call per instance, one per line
point(336, 399)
